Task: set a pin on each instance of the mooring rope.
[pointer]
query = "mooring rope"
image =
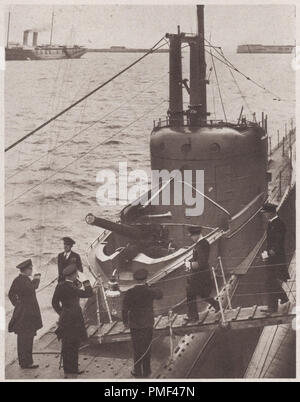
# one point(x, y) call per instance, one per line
point(152, 50)
point(127, 102)
point(84, 154)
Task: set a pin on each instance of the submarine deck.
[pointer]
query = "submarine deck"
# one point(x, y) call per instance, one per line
point(114, 360)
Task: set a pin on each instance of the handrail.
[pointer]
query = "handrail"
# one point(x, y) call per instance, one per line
point(157, 193)
point(208, 199)
point(186, 122)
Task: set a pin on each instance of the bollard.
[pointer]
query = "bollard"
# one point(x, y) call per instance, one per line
point(283, 139)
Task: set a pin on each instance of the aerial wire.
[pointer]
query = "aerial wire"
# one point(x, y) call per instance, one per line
point(86, 128)
point(85, 153)
point(152, 50)
point(219, 89)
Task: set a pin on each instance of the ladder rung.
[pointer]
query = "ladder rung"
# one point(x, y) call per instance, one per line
point(117, 329)
point(252, 314)
point(238, 310)
point(157, 319)
point(112, 325)
point(173, 320)
point(212, 318)
point(179, 322)
point(163, 322)
point(203, 316)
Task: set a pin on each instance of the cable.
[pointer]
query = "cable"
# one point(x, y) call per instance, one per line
point(84, 154)
point(85, 129)
point(219, 89)
point(229, 64)
point(84, 97)
point(270, 346)
point(237, 85)
point(275, 354)
point(144, 354)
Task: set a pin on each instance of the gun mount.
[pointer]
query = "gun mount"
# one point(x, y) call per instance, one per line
point(140, 233)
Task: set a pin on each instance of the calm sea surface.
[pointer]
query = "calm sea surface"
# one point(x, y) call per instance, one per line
point(64, 188)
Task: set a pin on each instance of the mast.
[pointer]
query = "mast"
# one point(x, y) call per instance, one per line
point(51, 28)
point(198, 102)
point(197, 112)
point(8, 27)
point(175, 76)
point(202, 62)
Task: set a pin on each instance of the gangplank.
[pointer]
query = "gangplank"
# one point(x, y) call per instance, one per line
point(231, 319)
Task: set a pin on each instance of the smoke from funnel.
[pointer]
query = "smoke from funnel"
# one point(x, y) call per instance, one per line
point(41, 29)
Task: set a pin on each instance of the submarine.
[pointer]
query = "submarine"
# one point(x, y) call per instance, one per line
point(228, 171)
point(221, 165)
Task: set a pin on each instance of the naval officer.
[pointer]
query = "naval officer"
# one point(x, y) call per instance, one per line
point(199, 279)
point(26, 319)
point(68, 257)
point(276, 270)
point(138, 315)
point(71, 329)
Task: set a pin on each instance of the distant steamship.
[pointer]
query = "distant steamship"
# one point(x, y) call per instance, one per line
point(257, 48)
point(15, 51)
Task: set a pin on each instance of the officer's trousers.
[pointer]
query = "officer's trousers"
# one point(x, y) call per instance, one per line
point(191, 298)
point(24, 346)
point(275, 292)
point(70, 354)
point(141, 342)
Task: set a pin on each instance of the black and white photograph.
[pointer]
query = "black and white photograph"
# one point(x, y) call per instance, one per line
point(149, 156)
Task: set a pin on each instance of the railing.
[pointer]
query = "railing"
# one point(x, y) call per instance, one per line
point(187, 120)
point(283, 180)
point(286, 141)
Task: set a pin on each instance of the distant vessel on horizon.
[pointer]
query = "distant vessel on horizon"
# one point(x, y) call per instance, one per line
point(258, 48)
point(124, 49)
point(16, 51)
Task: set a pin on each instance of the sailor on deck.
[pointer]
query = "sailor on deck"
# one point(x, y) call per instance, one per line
point(138, 315)
point(68, 257)
point(199, 280)
point(71, 328)
point(276, 270)
point(26, 319)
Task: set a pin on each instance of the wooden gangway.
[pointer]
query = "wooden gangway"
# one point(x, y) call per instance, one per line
point(231, 319)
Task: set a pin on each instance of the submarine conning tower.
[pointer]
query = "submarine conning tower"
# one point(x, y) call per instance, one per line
point(232, 156)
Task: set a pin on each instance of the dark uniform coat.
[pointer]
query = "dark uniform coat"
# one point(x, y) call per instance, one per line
point(199, 280)
point(137, 308)
point(138, 314)
point(276, 241)
point(65, 302)
point(26, 316)
point(63, 262)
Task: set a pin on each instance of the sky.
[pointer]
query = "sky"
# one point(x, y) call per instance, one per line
point(106, 25)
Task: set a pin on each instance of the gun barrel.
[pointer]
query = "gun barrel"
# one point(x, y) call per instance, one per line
point(119, 228)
